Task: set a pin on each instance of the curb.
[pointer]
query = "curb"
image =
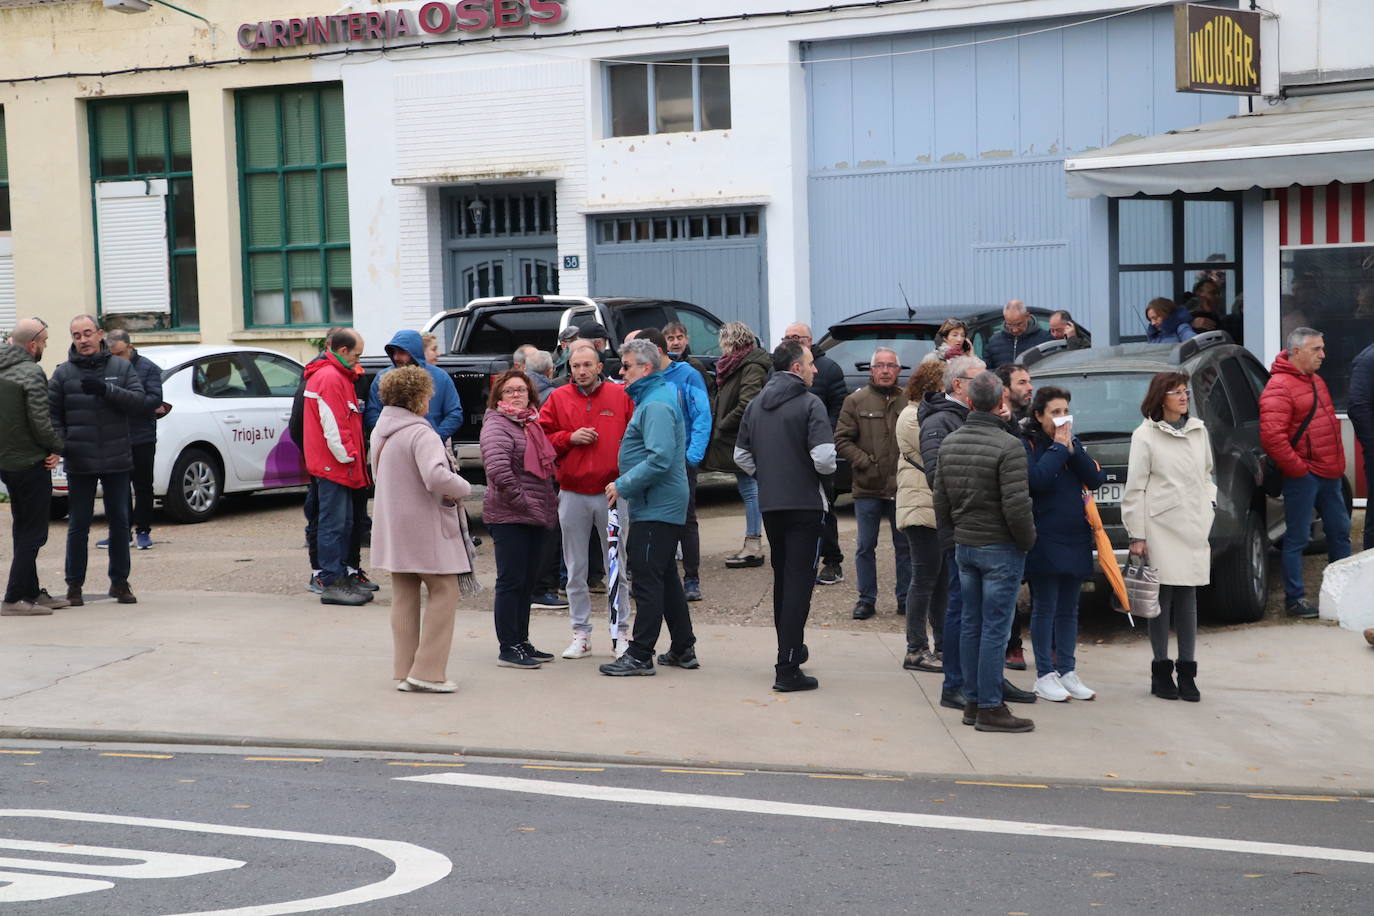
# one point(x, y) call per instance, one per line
point(99, 736)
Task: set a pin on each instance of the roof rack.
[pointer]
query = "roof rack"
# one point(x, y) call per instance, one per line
point(1204, 341)
point(1040, 351)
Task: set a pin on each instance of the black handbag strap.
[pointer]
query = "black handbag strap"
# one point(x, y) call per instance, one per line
point(908, 460)
point(1297, 437)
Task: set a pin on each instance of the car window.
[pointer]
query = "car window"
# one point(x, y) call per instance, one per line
point(979, 341)
point(1244, 400)
point(1106, 404)
point(703, 333)
point(221, 377)
point(447, 332)
point(638, 317)
point(1217, 406)
point(501, 330)
point(911, 346)
point(1256, 374)
point(281, 375)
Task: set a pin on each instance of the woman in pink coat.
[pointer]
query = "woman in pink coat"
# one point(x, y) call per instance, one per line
point(419, 531)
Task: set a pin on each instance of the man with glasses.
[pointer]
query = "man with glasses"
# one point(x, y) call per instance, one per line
point(830, 387)
point(29, 450)
point(866, 437)
point(1020, 332)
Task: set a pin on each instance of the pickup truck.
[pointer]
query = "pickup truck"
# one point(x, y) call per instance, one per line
point(476, 342)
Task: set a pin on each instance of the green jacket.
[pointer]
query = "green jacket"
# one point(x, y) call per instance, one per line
point(28, 434)
point(733, 394)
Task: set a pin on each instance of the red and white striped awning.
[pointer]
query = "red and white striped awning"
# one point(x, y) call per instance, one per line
point(1337, 214)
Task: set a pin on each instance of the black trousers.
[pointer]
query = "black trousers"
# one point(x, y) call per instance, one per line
point(794, 544)
point(517, 567)
point(142, 480)
point(691, 533)
point(831, 552)
point(30, 496)
point(657, 589)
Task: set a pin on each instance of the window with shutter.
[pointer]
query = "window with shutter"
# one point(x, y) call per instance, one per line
point(293, 184)
point(131, 220)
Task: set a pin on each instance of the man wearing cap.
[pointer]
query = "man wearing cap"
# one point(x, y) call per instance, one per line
point(564, 349)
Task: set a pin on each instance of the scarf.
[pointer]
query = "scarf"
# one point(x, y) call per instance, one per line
point(730, 362)
point(539, 453)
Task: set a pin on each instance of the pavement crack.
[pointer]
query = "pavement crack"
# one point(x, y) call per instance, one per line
point(61, 678)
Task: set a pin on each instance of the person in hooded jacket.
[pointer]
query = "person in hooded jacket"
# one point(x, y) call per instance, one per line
point(1168, 323)
point(1060, 469)
point(91, 397)
point(785, 442)
point(740, 376)
point(445, 411)
point(419, 532)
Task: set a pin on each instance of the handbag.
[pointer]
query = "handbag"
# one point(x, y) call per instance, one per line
point(1271, 476)
point(1142, 589)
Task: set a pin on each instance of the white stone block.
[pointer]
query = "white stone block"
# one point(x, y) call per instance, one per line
point(1348, 592)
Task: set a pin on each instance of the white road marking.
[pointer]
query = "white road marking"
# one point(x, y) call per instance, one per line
point(414, 866)
point(147, 864)
point(21, 888)
point(897, 818)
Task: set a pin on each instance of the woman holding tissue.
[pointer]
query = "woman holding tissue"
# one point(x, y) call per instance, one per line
point(1060, 470)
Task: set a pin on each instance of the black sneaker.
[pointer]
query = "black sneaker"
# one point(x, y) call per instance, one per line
point(830, 574)
point(790, 678)
point(691, 589)
point(341, 592)
point(627, 666)
point(1013, 694)
point(1300, 608)
point(863, 610)
point(316, 585)
point(953, 699)
point(549, 602)
point(597, 586)
point(360, 580)
point(687, 658)
point(516, 657)
point(534, 653)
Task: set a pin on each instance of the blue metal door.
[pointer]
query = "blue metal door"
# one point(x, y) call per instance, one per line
point(499, 241)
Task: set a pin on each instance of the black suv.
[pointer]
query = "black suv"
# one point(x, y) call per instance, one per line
point(1108, 384)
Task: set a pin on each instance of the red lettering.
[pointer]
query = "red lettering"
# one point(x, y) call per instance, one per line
point(278, 34)
point(248, 35)
point(473, 15)
point(403, 24)
point(436, 18)
point(375, 22)
point(296, 29)
point(546, 12)
point(356, 23)
point(509, 14)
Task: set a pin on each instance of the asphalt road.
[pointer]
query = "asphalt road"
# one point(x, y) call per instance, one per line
point(184, 830)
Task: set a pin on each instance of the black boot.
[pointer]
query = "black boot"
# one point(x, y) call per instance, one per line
point(1162, 679)
point(1187, 687)
point(790, 678)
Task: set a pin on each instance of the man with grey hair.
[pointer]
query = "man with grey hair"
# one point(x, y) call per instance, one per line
point(29, 450)
point(982, 494)
point(539, 366)
point(1300, 431)
point(1020, 332)
point(866, 437)
point(142, 434)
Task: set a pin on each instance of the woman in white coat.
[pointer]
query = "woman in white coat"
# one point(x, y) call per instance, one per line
point(1167, 509)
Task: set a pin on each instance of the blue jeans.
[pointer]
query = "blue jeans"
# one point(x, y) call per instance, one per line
point(1300, 496)
point(990, 578)
point(80, 511)
point(1054, 621)
point(753, 517)
point(954, 626)
point(333, 528)
point(868, 515)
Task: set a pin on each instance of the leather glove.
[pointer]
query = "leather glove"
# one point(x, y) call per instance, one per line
point(94, 386)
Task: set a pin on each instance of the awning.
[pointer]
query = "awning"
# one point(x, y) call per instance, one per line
point(1307, 141)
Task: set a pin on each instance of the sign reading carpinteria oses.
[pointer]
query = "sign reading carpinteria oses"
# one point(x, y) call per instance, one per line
point(1216, 50)
point(430, 19)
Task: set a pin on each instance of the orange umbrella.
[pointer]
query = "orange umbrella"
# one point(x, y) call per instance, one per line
point(1106, 560)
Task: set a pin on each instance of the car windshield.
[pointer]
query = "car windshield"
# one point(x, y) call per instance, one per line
point(1104, 404)
point(911, 345)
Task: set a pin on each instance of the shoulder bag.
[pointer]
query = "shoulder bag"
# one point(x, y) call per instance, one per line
point(1272, 477)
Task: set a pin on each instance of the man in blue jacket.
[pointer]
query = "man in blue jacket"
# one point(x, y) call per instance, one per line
point(445, 410)
point(653, 480)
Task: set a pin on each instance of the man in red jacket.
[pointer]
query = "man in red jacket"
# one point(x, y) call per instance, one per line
point(334, 456)
point(585, 420)
point(1300, 431)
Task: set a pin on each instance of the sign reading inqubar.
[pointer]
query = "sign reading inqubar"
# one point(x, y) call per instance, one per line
point(1216, 50)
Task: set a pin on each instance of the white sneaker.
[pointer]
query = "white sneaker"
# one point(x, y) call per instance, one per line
point(580, 647)
point(1076, 688)
point(1049, 688)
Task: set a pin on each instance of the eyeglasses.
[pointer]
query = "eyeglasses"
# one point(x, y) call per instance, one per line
point(43, 323)
point(887, 365)
point(1178, 393)
point(515, 389)
point(795, 337)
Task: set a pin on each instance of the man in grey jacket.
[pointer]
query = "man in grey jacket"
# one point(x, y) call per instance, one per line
point(982, 494)
point(785, 443)
point(828, 385)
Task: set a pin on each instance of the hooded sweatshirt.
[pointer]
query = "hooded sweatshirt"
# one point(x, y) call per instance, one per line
point(653, 477)
point(785, 442)
point(696, 408)
point(445, 409)
point(29, 436)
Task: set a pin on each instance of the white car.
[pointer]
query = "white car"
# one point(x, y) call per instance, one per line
point(226, 431)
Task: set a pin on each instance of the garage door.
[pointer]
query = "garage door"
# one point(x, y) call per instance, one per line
point(713, 258)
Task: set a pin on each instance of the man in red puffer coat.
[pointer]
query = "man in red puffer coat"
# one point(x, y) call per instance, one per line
point(1300, 431)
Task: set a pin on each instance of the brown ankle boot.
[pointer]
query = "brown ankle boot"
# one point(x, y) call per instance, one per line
point(1000, 719)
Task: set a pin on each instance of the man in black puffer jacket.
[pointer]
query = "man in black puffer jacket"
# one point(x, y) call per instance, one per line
point(91, 397)
point(142, 432)
point(982, 492)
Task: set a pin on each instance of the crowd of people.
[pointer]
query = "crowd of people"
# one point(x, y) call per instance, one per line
point(590, 483)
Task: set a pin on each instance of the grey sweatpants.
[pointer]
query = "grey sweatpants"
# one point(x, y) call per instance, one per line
point(580, 514)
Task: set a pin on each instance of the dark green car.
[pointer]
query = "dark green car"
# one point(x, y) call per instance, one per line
point(1108, 384)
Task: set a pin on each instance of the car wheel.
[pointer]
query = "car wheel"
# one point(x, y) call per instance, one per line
point(196, 488)
point(57, 508)
point(1240, 580)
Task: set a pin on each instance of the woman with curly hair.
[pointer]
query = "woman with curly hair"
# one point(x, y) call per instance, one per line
point(929, 590)
point(419, 531)
point(740, 375)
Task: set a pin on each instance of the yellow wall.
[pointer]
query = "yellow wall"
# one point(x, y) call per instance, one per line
point(49, 165)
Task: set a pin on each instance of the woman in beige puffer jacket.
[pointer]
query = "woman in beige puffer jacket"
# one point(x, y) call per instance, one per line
point(929, 591)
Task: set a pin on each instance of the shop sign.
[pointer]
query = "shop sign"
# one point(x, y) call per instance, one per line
point(466, 16)
point(1216, 50)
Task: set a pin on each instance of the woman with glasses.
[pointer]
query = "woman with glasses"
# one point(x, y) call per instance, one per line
point(1167, 509)
point(518, 506)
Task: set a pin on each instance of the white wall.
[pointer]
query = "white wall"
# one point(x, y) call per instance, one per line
point(1325, 39)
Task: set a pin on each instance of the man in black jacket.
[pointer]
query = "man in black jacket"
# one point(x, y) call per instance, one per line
point(1362, 419)
point(785, 443)
point(1020, 332)
point(830, 387)
point(142, 433)
point(91, 397)
point(982, 494)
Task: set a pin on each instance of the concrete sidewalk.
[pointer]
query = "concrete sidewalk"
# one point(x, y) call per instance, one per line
point(1283, 708)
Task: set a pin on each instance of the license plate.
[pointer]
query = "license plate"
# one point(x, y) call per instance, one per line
point(1109, 494)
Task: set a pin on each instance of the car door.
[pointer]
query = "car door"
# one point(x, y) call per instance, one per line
point(703, 332)
point(224, 387)
point(279, 376)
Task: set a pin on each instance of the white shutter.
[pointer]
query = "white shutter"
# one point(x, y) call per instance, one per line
point(132, 222)
point(8, 313)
